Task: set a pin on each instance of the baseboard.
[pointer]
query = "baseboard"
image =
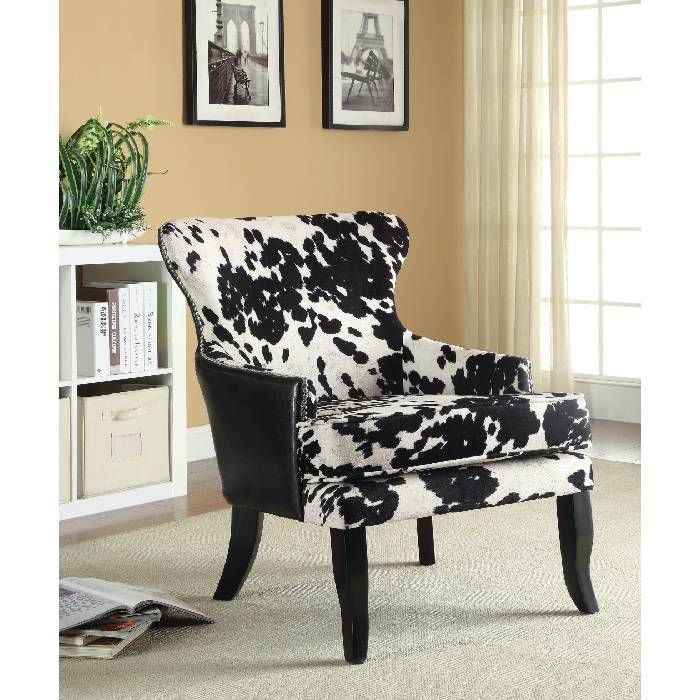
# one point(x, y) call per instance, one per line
point(199, 443)
point(612, 400)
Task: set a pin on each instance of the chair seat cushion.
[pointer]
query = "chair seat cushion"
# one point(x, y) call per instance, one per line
point(356, 439)
point(426, 493)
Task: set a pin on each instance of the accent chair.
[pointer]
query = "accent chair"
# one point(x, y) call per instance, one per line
point(326, 410)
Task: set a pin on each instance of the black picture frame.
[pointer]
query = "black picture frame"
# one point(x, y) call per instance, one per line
point(328, 118)
point(191, 62)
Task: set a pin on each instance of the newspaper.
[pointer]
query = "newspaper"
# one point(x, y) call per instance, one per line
point(83, 600)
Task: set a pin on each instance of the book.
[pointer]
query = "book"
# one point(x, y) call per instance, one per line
point(124, 322)
point(150, 325)
point(111, 626)
point(85, 600)
point(111, 296)
point(92, 339)
point(135, 320)
point(98, 619)
point(124, 331)
point(112, 636)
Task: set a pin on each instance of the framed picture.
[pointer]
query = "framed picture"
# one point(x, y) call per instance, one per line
point(365, 64)
point(235, 62)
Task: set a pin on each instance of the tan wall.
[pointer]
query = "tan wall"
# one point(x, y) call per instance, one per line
point(126, 56)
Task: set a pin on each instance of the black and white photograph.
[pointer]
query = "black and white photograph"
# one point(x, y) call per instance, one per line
point(237, 62)
point(365, 64)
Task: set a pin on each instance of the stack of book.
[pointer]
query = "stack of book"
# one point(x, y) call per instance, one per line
point(116, 328)
point(98, 619)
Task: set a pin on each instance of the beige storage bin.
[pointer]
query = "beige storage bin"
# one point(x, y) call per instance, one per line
point(63, 450)
point(124, 440)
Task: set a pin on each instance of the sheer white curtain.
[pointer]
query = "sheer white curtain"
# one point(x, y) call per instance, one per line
point(515, 150)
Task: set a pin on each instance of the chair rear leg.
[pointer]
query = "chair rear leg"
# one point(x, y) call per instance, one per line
point(575, 520)
point(426, 545)
point(349, 553)
point(352, 85)
point(246, 530)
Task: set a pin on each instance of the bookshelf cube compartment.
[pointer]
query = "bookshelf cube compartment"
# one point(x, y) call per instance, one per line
point(142, 272)
point(123, 439)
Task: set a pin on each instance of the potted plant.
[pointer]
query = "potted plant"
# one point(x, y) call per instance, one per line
point(102, 174)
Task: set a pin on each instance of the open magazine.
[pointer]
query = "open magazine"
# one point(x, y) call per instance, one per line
point(100, 618)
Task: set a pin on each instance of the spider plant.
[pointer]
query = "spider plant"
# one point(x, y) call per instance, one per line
point(102, 174)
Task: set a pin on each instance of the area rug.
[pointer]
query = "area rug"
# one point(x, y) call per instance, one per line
point(492, 619)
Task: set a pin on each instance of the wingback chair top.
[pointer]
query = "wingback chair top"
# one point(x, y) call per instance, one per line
point(325, 409)
point(313, 297)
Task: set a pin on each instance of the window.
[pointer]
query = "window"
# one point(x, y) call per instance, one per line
point(603, 200)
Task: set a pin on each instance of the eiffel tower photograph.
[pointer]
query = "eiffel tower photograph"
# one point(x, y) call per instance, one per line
point(367, 61)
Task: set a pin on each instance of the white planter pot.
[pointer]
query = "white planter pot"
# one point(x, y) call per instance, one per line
point(69, 237)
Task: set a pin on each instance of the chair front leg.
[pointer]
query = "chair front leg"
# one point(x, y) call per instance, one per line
point(426, 545)
point(349, 553)
point(246, 530)
point(575, 520)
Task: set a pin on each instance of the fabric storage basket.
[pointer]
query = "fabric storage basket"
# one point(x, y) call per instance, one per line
point(63, 450)
point(123, 440)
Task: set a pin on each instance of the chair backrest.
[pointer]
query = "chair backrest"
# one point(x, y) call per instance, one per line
point(310, 296)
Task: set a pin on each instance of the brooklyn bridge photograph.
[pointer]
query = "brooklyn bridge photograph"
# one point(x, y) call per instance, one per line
point(239, 37)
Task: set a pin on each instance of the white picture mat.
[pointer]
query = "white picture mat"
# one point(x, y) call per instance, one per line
point(237, 113)
point(395, 9)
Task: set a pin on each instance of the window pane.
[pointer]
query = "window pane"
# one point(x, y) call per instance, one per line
point(583, 119)
point(583, 331)
point(583, 44)
point(583, 192)
point(622, 263)
point(583, 265)
point(621, 193)
point(622, 39)
point(621, 351)
point(622, 117)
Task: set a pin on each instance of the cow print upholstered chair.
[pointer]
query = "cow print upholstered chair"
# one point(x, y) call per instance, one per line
point(326, 410)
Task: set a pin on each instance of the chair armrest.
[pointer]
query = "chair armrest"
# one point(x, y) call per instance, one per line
point(431, 367)
point(253, 415)
point(214, 351)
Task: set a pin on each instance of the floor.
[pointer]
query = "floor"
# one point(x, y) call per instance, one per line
point(618, 442)
point(487, 622)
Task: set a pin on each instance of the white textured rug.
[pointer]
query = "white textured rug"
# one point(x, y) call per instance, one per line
point(492, 619)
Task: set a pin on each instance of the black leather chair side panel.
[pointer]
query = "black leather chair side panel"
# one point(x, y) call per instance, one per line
point(253, 422)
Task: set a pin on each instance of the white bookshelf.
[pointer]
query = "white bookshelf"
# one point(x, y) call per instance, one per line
point(140, 263)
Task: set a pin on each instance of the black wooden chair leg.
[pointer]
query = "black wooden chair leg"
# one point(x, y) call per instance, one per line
point(426, 546)
point(349, 552)
point(246, 529)
point(576, 542)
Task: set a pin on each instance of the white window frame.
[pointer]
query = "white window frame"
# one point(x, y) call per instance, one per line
point(601, 303)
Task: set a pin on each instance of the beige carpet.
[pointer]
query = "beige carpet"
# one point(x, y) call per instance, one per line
point(491, 619)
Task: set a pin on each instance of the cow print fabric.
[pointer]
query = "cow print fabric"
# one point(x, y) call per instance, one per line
point(391, 423)
point(392, 434)
point(430, 367)
point(313, 297)
point(422, 494)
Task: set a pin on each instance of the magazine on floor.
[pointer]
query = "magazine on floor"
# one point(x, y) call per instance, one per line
point(99, 618)
point(105, 638)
